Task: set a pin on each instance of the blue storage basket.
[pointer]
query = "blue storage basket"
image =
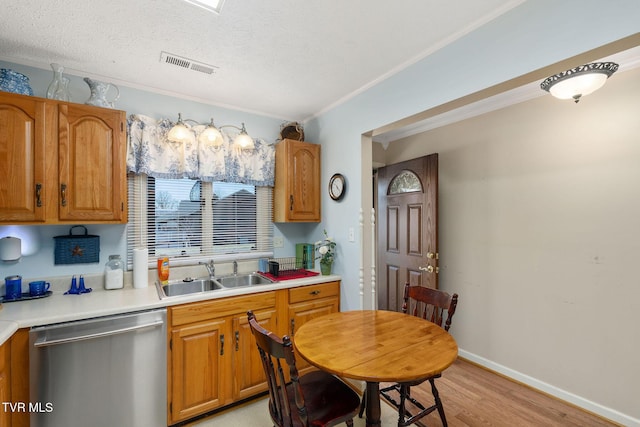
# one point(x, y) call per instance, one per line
point(77, 248)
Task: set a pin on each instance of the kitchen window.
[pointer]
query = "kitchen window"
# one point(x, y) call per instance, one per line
point(191, 221)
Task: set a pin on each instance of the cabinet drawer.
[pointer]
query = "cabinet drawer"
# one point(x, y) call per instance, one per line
point(198, 311)
point(312, 292)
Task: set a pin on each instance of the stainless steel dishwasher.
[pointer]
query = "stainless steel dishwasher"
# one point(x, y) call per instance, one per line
point(102, 372)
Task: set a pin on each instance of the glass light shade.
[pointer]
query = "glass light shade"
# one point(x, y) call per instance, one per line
point(579, 81)
point(211, 135)
point(578, 86)
point(179, 132)
point(244, 142)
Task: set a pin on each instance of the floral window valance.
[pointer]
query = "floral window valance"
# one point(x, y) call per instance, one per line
point(150, 152)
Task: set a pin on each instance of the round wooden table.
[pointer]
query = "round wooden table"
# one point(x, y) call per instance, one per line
point(375, 346)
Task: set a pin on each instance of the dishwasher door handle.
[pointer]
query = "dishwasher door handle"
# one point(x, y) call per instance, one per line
point(43, 342)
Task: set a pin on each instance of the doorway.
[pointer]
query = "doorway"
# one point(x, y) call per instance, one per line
point(407, 241)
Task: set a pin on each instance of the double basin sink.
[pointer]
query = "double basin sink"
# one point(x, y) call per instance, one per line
point(191, 286)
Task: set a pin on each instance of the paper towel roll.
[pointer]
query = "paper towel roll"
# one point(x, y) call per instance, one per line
point(140, 267)
point(10, 248)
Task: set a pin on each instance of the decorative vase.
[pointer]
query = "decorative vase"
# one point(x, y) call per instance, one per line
point(59, 86)
point(12, 81)
point(99, 93)
point(325, 268)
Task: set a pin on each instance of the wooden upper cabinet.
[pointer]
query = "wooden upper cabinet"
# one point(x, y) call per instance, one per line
point(22, 158)
point(297, 188)
point(92, 175)
point(61, 162)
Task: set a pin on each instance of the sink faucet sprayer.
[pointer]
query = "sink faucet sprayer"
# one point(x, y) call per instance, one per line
point(210, 267)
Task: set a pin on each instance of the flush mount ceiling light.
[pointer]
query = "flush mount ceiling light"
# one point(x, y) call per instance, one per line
point(579, 81)
point(211, 5)
point(210, 135)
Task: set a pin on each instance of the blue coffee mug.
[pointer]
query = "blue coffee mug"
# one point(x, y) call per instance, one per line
point(39, 287)
point(12, 287)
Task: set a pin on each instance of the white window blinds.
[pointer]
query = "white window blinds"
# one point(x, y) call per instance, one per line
point(191, 221)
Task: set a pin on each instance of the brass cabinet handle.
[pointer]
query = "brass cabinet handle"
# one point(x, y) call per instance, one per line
point(316, 292)
point(63, 194)
point(38, 195)
point(290, 202)
point(293, 326)
point(237, 340)
point(222, 345)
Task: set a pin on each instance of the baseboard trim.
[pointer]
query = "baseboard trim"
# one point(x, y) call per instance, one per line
point(587, 405)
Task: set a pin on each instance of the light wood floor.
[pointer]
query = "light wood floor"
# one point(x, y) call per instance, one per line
point(473, 396)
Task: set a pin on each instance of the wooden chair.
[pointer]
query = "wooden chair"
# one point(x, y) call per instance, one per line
point(429, 304)
point(315, 399)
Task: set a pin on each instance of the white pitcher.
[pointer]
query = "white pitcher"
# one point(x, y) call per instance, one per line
point(99, 93)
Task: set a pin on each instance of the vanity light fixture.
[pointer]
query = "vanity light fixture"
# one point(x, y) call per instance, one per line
point(579, 81)
point(210, 135)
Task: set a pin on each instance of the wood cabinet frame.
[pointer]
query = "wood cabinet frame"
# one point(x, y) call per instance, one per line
point(212, 359)
point(66, 162)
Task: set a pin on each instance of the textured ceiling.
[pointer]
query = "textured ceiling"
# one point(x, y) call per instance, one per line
point(289, 59)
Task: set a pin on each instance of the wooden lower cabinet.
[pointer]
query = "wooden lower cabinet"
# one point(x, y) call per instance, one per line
point(212, 358)
point(14, 379)
point(249, 378)
point(197, 368)
point(308, 302)
point(5, 383)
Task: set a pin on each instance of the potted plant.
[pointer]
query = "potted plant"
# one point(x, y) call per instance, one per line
point(326, 253)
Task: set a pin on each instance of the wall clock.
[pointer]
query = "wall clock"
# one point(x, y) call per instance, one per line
point(337, 186)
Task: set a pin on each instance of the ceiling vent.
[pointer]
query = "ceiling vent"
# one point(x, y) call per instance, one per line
point(189, 64)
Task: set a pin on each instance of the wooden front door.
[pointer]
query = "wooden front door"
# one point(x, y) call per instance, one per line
point(407, 228)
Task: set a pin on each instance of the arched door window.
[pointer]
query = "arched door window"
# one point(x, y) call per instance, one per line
point(405, 182)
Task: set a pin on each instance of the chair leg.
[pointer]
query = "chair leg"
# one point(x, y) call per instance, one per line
point(363, 403)
point(401, 407)
point(349, 423)
point(436, 396)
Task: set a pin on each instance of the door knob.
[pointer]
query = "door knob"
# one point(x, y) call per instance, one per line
point(428, 268)
point(432, 255)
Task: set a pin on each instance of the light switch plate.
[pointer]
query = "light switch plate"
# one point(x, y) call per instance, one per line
point(352, 235)
point(278, 242)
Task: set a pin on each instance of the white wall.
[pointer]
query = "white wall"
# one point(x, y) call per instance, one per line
point(487, 258)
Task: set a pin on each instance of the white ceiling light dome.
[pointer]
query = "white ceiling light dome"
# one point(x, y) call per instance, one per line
point(579, 81)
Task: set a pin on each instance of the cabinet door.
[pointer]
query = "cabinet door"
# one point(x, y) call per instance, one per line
point(197, 368)
point(5, 386)
point(297, 187)
point(22, 159)
point(302, 312)
point(305, 182)
point(248, 374)
point(92, 171)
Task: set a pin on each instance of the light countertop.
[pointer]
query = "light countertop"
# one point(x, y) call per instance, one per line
point(59, 307)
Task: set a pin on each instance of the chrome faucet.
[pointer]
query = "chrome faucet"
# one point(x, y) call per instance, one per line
point(235, 268)
point(210, 267)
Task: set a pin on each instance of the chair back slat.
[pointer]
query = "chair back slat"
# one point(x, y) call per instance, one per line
point(273, 351)
point(430, 304)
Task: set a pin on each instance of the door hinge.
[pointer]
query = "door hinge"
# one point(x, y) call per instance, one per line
point(171, 344)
